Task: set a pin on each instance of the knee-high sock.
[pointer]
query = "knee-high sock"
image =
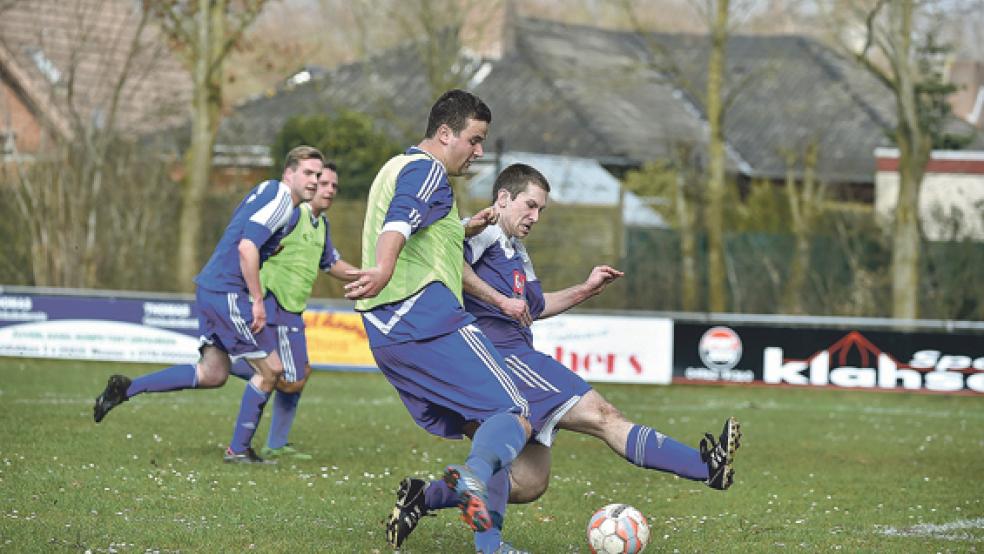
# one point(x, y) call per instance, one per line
point(176, 377)
point(650, 449)
point(438, 496)
point(282, 419)
point(242, 369)
point(496, 444)
point(248, 419)
point(499, 485)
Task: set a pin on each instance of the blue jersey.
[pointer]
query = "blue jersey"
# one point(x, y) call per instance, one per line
point(262, 218)
point(423, 196)
point(503, 263)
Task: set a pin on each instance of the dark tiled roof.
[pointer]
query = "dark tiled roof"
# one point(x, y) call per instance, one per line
point(68, 55)
point(584, 91)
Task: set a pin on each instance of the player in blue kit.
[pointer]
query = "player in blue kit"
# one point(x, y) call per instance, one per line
point(444, 368)
point(231, 313)
point(504, 294)
point(288, 278)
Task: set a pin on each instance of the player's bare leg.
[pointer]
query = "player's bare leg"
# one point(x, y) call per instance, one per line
point(646, 447)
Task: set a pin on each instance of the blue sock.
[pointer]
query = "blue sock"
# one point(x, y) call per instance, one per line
point(242, 369)
point(176, 377)
point(282, 419)
point(438, 496)
point(248, 419)
point(496, 444)
point(499, 485)
point(650, 449)
point(488, 541)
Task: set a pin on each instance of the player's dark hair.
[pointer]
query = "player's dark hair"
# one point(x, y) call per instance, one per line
point(516, 178)
point(299, 153)
point(454, 108)
point(331, 166)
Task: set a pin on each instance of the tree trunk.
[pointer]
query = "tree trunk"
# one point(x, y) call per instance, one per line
point(804, 202)
point(689, 284)
point(914, 150)
point(206, 102)
point(717, 291)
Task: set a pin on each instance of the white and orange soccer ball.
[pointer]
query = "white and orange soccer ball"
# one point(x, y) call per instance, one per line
point(617, 529)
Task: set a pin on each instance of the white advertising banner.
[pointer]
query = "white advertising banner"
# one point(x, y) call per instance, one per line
point(609, 348)
point(93, 339)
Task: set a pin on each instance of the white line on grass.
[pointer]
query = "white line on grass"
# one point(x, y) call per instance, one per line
point(945, 531)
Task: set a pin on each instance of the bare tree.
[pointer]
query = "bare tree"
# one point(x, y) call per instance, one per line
point(93, 81)
point(890, 51)
point(805, 205)
point(205, 32)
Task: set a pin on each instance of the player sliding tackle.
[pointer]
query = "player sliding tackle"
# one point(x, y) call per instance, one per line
point(503, 293)
point(444, 368)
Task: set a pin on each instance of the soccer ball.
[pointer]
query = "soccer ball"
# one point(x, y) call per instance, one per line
point(617, 529)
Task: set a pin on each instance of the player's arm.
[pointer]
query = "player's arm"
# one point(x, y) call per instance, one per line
point(341, 271)
point(249, 263)
point(563, 300)
point(474, 285)
point(416, 204)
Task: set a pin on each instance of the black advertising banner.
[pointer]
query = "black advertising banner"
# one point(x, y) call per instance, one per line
point(848, 358)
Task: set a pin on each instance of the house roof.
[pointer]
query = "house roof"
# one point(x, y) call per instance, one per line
point(66, 58)
point(595, 93)
point(573, 181)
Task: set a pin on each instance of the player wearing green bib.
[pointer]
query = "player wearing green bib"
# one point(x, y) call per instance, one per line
point(288, 278)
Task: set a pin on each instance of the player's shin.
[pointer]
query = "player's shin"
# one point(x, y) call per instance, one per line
point(177, 377)
point(650, 449)
point(250, 410)
point(496, 444)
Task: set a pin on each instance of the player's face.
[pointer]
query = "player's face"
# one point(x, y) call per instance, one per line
point(327, 189)
point(517, 216)
point(303, 180)
point(465, 146)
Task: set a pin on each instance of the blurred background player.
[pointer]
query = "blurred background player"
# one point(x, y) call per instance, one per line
point(229, 300)
point(446, 371)
point(288, 278)
point(504, 294)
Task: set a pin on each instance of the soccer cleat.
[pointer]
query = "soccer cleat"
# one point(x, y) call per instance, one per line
point(473, 496)
point(409, 509)
point(247, 457)
point(720, 455)
point(113, 395)
point(285, 451)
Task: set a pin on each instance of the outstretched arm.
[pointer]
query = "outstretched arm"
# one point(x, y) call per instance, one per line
point(515, 308)
point(368, 282)
point(563, 300)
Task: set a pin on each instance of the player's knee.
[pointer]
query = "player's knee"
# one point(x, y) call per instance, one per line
point(528, 489)
point(527, 428)
point(210, 375)
point(291, 388)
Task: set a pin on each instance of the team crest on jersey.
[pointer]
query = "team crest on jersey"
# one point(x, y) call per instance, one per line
point(519, 282)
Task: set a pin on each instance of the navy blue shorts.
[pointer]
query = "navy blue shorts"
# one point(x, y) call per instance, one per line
point(550, 388)
point(291, 342)
point(223, 321)
point(449, 380)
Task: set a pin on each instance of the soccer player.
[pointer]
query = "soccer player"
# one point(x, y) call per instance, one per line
point(444, 368)
point(288, 279)
point(503, 293)
point(231, 313)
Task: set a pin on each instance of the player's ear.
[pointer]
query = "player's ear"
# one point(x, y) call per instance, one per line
point(502, 198)
point(444, 133)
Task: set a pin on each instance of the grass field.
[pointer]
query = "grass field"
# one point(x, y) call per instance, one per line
point(819, 470)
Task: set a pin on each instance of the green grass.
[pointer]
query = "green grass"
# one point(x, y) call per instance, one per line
point(818, 470)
